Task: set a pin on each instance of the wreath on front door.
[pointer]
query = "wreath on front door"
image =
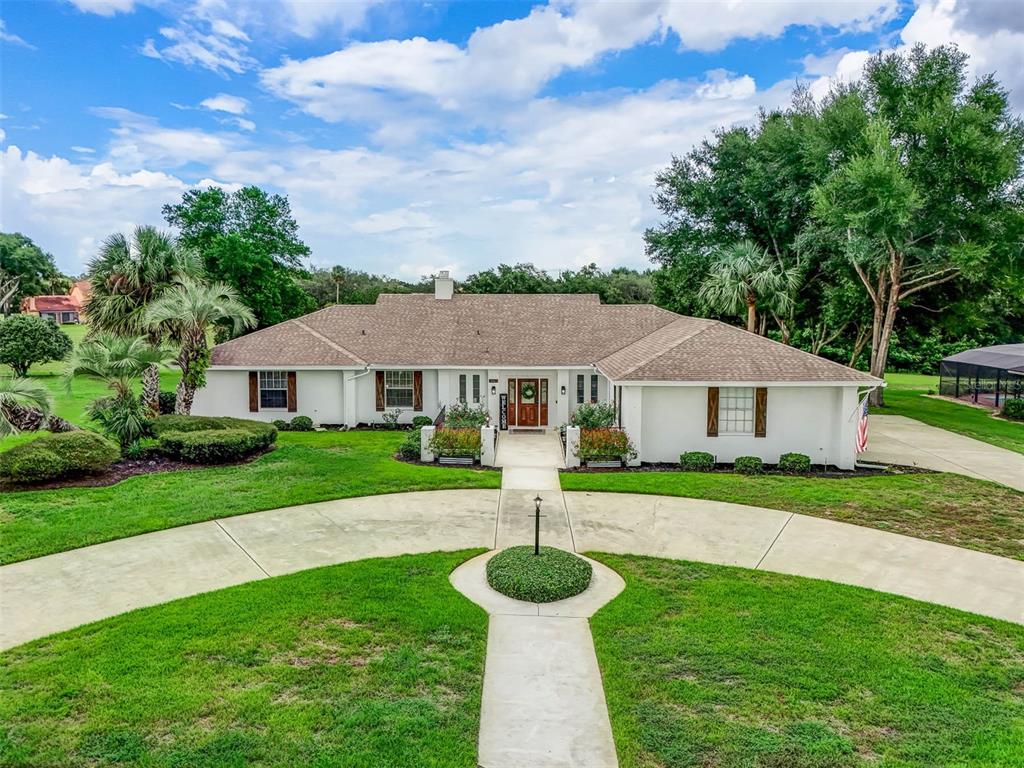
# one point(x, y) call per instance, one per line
point(528, 390)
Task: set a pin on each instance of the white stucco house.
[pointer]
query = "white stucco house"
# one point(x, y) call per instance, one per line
point(678, 383)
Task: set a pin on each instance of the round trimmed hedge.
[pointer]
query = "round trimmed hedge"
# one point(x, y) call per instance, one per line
point(212, 439)
point(552, 575)
point(58, 456)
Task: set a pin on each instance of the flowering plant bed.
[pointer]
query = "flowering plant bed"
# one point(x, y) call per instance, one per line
point(605, 444)
point(448, 443)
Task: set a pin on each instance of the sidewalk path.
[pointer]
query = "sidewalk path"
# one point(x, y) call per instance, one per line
point(899, 440)
point(58, 592)
point(543, 700)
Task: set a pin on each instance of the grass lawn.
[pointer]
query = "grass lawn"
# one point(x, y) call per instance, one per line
point(905, 396)
point(306, 467)
point(942, 507)
point(711, 666)
point(372, 663)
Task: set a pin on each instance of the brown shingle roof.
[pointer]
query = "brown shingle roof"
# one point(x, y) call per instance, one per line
point(628, 341)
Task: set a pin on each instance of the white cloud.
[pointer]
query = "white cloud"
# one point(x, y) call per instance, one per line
point(83, 150)
point(10, 37)
point(104, 7)
point(3, 135)
point(225, 102)
point(140, 140)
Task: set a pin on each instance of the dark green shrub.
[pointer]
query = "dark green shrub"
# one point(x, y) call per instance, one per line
point(422, 421)
point(456, 442)
point(1014, 409)
point(176, 423)
point(697, 461)
point(464, 416)
point(593, 416)
point(167, 402)
point(301, 424)
point(281, 424)
point(797, 463)
point(410, 447)
point(216, 446)
point(58, 456)
point(552, 575)
point(748, 465)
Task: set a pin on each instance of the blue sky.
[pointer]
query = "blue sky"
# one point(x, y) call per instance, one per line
point(416, 137)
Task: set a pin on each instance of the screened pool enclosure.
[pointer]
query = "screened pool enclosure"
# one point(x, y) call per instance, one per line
point(987, 376)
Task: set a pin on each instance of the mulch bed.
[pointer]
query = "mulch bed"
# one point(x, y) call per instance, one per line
point(418, 463)
point(727, 469)
point(121, 470)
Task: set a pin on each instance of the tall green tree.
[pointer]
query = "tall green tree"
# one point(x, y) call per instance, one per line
point(129, 273)
point(189, 311)
point(249, 240)
point(743, 277)
point(26, 270)
point(925, 182)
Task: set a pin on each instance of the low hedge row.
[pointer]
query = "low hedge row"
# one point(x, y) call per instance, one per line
point(702, 461)
point(298, 424)
point(212, 439)
point(58, 456)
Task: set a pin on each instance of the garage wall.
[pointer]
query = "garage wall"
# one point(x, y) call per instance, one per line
point(810, 420)
point(318, 395)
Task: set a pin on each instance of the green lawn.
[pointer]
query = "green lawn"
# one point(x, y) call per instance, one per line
point(367, 664)
point(306, 467)
point(942, 507)
point(906, 396)
point(711, 666)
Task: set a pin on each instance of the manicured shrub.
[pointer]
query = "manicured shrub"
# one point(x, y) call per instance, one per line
point(167, 401)
point(797, 463)
point(178, 423)
point(410, 447)
point(281, 424)
point(464, 416)
point(593, 416)
point(301, 424)
point(552, 575)
point(749, 465)
point(422, 421)
point(58, 456)
point(605, 444)
point(697, 461)
point(1014, 409)
point(217, 446)
point(456, 442)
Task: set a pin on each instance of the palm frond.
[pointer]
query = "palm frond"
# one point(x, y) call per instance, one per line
point(25, 392)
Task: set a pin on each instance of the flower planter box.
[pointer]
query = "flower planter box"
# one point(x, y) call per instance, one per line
point(604, 463)
point(464, 460)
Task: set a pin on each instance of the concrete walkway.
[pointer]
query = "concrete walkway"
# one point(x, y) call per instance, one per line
point(899, 440)
point(58, 592)
point(543, 700)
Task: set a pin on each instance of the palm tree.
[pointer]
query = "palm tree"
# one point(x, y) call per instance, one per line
point(17, 393)
point(117, 361)
point(744, 276)
point(189, 310)
point(338, 278)
point(128, 274)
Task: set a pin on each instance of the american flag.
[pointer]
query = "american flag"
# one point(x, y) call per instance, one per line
point(862, 426)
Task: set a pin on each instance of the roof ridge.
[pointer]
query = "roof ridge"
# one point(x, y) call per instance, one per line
point(709, 324)
point(334, 345)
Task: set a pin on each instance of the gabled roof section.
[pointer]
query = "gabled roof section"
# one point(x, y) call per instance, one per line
point(49, 304)
point(692, 349)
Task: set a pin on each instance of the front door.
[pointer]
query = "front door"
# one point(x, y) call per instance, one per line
point(529, 395)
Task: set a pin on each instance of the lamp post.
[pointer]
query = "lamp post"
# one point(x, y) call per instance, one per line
point(536, 525)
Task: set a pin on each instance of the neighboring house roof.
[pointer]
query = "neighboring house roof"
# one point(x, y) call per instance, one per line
point(49, 304)
point(628, 342)
point(1009, 357)
point(81, 291)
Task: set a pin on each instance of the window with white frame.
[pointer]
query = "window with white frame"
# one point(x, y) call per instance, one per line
point(476, 387)
point(398, 389)
point(273, 389)
point(736, 411)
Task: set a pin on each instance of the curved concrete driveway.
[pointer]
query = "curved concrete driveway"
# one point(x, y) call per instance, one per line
point(57, 592)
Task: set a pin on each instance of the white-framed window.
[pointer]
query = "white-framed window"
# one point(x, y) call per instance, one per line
point(273, 389)
point(476, 388)
point(736, 411)
point(398, 389)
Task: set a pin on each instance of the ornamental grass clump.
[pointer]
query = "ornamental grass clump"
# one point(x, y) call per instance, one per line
point(552, 575)
point(605, 444)
point(456, 442)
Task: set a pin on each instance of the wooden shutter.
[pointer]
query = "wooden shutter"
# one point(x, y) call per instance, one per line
point(417, 390)
point(293, 395)
point(712, 411)
point(760, 411)
point(254, 391)
point(380, 390)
